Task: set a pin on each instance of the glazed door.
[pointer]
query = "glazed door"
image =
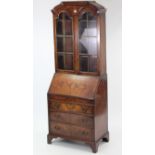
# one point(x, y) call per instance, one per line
point(88, 42)
point(64, 42)
point(76, 43)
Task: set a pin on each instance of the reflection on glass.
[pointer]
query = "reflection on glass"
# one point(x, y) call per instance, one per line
point(88, 42)
point(87, 25)
point(84, 45)
point(92, 31)
point(84, 64)
point(92, 46)
point(93, 64)
point(82, 48)
point(82, 27)
point(88, 45)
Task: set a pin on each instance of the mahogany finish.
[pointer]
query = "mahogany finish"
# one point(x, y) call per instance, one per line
point(77, 96)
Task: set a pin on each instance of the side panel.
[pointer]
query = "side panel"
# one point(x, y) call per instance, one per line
point(101, 111)
point(102, 44)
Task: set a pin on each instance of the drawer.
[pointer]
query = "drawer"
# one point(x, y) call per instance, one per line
point(81, 133)
point(70, 131)
point(70, 99)
point(79, 108)
point(59, 128)
point(74, 119)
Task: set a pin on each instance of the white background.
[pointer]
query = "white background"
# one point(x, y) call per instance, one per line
point(16, 78)
point(44, 70)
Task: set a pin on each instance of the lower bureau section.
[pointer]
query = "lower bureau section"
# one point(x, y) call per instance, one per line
point(71, 131)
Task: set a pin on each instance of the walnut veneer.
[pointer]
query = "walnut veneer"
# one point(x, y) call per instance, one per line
point(77, 96)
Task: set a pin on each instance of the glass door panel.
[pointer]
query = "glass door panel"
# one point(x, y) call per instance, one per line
point(59, 28)
point(64, 42)
point(84, 63)
point(60, 44)
point(60, 61)
point(92, 31)
point(69, 61)
point(68, 27)
point(69, 44)
point(88, 42)
point(93, 64)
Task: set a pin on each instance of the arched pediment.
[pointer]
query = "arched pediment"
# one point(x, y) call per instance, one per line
point(79, 7)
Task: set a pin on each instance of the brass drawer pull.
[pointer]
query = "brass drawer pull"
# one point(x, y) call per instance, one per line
point(70, 106)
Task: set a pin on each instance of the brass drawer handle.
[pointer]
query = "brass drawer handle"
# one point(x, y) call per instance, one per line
point(70, 106)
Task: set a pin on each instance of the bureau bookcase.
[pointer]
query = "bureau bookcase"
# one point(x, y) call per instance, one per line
point(77, 96)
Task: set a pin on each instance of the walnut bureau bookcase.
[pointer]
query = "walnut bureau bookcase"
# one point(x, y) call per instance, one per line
point(77, 96)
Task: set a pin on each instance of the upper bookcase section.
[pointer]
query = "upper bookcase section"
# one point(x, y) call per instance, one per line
point(80, 38)
point(79, 7)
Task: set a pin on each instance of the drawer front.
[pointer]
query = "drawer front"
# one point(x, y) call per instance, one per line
point(59, 128)
point(74, 119)
point(70, 130)
point(81, 133)
point(70, 99)
point(71, 107)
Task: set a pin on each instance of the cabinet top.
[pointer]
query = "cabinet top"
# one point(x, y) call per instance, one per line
point(89, 4)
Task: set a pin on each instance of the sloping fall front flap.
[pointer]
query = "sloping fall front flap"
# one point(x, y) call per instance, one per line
point(74, 85)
